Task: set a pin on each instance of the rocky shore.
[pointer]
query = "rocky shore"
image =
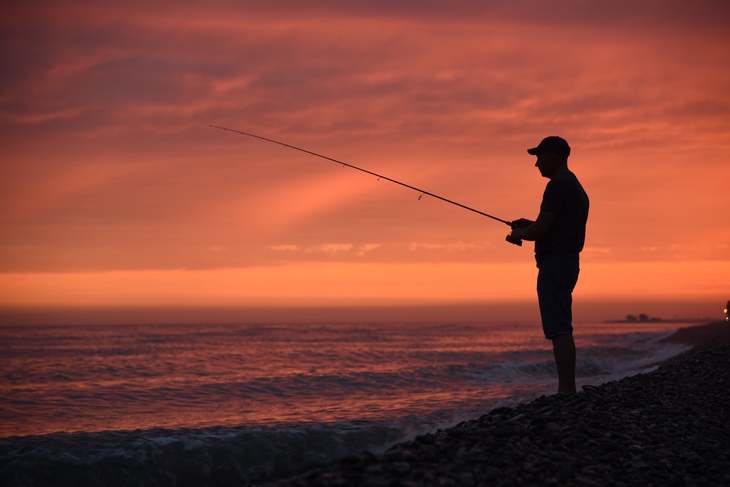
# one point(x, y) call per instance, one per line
point(670, 426)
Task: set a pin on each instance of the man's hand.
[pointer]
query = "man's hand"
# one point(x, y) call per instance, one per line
point(524, 229)
point(521, 223)
point(518, 227)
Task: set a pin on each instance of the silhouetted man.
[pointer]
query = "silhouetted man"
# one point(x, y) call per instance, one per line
point(559, 234)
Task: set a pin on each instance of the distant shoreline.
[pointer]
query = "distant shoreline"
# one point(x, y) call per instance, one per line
point(662, 320)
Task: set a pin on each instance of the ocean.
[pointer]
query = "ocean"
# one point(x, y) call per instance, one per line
point(245, 404)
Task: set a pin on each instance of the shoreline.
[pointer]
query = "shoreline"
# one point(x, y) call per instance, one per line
point(665, 427)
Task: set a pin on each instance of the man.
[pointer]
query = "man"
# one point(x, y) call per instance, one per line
point(559, 234)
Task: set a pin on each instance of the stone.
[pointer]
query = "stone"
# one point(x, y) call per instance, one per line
point(506, 430)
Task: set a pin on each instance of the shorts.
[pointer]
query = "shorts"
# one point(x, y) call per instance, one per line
point(555, 283)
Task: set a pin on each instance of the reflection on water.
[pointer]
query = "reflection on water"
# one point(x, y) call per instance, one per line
point(95, 378)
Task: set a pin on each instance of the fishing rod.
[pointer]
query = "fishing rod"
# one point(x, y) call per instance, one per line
point(379, 176)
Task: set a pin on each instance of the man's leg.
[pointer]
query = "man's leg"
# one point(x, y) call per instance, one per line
point(564, 351)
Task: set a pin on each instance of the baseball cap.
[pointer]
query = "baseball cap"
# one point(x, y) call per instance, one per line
point(551, 144)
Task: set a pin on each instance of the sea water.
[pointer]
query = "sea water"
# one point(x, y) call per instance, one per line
point(261, 401)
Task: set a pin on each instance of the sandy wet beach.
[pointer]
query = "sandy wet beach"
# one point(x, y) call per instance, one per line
point(670, 426)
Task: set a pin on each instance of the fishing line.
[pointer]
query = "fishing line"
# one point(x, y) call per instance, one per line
point(379, 176)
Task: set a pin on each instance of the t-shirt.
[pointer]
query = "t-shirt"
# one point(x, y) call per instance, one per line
point(565, 197)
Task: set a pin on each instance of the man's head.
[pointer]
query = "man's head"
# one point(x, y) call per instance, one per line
point(552, 156)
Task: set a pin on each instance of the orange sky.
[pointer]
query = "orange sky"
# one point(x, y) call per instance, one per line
point(115, 193)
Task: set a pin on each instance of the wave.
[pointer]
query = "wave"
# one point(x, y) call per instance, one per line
point(215, 456)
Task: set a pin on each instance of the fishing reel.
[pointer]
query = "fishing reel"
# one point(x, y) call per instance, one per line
point(513, 240)
point(521, 223)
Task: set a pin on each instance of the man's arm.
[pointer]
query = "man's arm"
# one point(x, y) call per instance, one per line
point(535, 230)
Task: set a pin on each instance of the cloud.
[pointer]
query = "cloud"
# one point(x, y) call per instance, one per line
point(109, 165)
point(329, 248)
point(285, 248)
point(448, 247)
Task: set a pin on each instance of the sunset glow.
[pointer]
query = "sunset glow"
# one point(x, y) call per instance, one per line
point(116, 193)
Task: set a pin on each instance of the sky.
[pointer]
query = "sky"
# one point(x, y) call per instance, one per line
point(117, 194)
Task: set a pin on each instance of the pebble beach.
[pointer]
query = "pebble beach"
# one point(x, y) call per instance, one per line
point(670, 426)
